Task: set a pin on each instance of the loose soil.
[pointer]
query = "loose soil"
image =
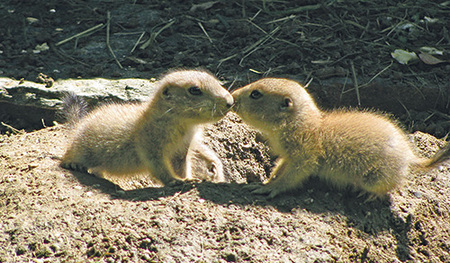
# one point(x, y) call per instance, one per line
point(52, 215)
point(48, 214)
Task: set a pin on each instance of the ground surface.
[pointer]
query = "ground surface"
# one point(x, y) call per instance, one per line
point(48, 214)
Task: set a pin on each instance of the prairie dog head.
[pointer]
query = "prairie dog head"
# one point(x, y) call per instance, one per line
point(272, 103)
point(194, 95)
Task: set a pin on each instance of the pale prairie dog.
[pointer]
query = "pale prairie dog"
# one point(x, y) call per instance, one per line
point(363, 149)
point(120, 140)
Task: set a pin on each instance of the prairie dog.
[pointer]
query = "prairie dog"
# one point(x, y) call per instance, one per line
point(363, 149)
point(146, 138)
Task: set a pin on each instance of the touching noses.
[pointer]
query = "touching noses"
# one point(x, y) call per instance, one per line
point(230, 101)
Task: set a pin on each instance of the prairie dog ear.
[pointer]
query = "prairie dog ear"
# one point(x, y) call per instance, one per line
point(286, 104)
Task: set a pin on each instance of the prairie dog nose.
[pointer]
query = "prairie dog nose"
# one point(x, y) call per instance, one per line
point(230, 101)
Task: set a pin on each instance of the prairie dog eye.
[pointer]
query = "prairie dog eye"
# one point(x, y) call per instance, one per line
point(255, 94)
point(196, 91)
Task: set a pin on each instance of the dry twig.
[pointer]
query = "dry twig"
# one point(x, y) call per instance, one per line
point(82, 34)
point(155, 34)
point(355, 82)
point(204, 31)
point(137, 42)
point(108, 23)
point(378, 74)
point(14, 130)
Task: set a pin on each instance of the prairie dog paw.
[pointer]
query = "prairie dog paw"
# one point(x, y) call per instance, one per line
point(263, 190)
point(252, 186)
point(176, 182)
point(267, 190)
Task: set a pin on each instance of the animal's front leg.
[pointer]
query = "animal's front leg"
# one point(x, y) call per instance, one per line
point(203, 163)
point(286, 176)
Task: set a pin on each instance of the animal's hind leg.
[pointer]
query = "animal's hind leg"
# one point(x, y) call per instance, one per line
point(96, 171)
point(379, 182)
point(74, 167)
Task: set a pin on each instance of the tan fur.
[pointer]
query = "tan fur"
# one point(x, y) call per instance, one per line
point(152, 137)
point(363, 149)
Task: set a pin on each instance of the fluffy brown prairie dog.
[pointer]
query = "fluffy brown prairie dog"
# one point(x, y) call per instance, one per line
point(363, 149)
point(150, 137)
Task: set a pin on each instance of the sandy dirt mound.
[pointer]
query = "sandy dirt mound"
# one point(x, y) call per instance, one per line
point(48, 214)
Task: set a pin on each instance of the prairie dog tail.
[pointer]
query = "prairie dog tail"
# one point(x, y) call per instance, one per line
point(441, 156)
point(74, 108)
